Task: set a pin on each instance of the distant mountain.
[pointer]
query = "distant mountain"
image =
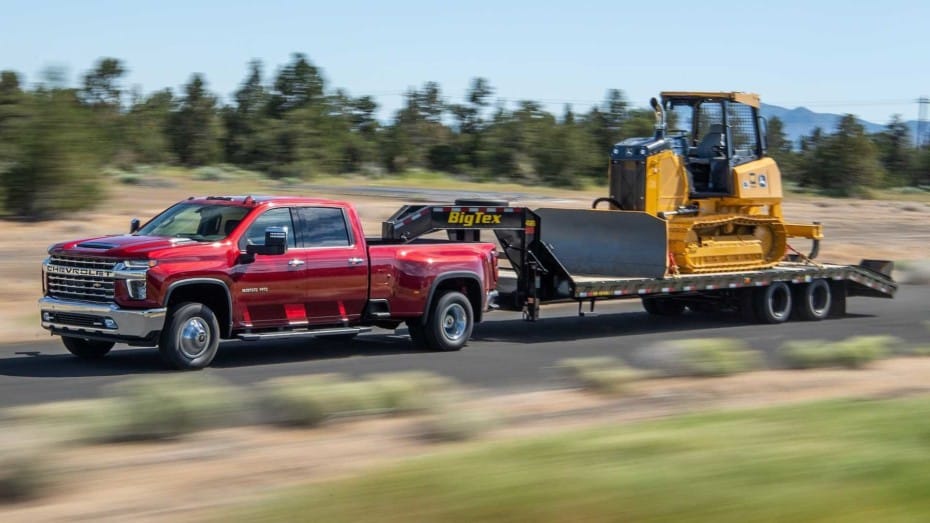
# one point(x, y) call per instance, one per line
point(801, 121)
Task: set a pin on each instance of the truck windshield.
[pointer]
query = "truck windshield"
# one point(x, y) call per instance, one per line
point(197, 221)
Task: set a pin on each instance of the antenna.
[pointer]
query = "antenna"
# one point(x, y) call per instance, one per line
point(922, 137)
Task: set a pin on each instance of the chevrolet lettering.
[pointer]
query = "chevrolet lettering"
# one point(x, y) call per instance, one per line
point(80, 271)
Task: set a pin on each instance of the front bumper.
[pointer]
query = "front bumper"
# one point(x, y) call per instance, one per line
point(100, 320)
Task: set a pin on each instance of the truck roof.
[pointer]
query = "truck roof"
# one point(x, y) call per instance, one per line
point(252, 201)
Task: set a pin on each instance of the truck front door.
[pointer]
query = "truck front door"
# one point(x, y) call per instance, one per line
point(337, 265)
point(269, 290)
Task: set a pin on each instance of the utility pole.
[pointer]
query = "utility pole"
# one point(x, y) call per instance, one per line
point(923, 125)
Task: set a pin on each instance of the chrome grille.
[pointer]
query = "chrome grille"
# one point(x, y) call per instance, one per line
point(96, 288)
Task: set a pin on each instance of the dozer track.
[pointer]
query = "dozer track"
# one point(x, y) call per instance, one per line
point(726, 243)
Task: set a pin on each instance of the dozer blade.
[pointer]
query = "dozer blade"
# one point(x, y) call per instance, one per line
point(620, 244)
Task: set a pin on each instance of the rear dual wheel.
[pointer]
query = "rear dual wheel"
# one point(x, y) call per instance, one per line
point(448, 324)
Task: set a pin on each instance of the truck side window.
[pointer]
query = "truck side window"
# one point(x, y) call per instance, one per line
point(280, 217)
point(323, 227)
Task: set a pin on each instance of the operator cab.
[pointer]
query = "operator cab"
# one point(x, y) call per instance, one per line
point(716, 132)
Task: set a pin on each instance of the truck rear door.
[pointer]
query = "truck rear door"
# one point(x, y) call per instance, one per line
point(336, 265)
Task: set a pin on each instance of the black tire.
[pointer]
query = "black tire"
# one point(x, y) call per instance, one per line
point(191, 337)
point(772, 304)
point(663, 306)
point(449, 323)
point(417, 333)
point(812, 301)
point(87, 349)
point(747, 306)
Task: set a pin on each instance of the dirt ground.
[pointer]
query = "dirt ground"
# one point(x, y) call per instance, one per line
point(855, 229)
point(197, 477)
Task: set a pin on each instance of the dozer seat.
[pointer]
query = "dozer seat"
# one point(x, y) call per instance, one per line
point(708, 169)
point(709, 146)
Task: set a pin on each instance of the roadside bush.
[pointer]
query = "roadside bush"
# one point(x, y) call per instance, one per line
point(309, 401)
point(454, 420)
point(852, 353)
point(405, 392)
point(168, 407)
point(211, 173)
point(22, 475)
point(698, 357)
point(604, 375)
point(912, 272)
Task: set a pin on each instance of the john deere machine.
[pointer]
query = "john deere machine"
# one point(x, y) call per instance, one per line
point(712, 196)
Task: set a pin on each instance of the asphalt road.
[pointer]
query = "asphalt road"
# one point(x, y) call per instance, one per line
point(505, 353)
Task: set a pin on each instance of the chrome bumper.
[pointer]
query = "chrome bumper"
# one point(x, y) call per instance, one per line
point(100, 319)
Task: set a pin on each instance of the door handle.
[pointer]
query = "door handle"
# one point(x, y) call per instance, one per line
point(355, 261)
point(296, 263)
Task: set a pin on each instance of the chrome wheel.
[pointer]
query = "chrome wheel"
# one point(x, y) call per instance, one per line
point(195, 338)
point(454, 322)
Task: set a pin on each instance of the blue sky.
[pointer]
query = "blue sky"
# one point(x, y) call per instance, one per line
point(865, 57)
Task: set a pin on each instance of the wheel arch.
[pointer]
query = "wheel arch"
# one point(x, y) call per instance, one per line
point(211, 292)
point(469, 283)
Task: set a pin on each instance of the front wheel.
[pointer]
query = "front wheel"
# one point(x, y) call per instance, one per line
point(449, 323)
point(87, 349)
point(191, 337)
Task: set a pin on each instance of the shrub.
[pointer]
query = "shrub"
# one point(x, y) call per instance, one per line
point(210, 173)
point(454, 420)
point(605, 375)
point(22, 476)
point(403, 392)
point(168, 407)
point(852, 353)
point(310, 400)
point(698, 357)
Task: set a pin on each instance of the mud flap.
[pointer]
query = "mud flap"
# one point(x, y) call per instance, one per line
point(622, 244)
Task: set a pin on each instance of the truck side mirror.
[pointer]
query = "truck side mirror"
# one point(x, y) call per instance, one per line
point(275, 242)
point(134, 225)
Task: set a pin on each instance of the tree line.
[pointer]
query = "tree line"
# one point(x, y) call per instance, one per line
point(55, 140)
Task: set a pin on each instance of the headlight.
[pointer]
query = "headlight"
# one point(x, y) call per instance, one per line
point(139, 264)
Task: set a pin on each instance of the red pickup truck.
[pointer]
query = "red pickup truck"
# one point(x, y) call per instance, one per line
point(222, 267)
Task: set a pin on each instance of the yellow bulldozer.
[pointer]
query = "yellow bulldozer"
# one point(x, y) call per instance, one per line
point(706, 177)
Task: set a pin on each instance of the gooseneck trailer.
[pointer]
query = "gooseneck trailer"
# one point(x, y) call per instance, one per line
point(583, 256)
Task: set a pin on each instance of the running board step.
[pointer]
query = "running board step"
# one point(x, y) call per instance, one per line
point(255, 336)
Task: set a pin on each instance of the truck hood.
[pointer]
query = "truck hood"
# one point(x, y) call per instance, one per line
point(121, 246)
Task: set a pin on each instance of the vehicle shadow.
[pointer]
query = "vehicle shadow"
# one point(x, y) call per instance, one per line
point(47, 361)
point(40, 362)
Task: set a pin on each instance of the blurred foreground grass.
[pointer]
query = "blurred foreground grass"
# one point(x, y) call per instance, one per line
point(851, 461)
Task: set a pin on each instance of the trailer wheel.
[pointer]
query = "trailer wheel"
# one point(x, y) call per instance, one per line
point(449, 323)
point(87, 349)
point(663, 306)
point(191, 337)
point(772, 304)
point(812, 300)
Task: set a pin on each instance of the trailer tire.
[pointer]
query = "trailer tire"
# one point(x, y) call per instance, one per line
point(191, 336)
point(772, 304)
point(449, 323)
point(87, 349)
point(812, 301)
point(663, 306)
